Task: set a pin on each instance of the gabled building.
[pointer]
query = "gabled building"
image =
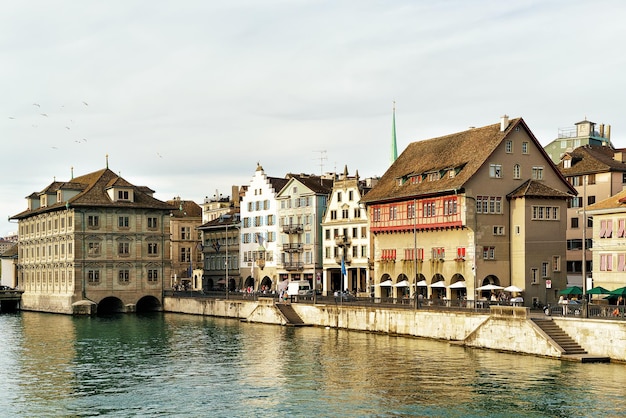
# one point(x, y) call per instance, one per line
point(346, 238)
point(482, 206)
point(609, 242)
point(95, 241)
point(185, 243)
point(301, 206)
point(582, 133)
point(220, 247)
point(597, 172)
point(8, 267)
point(258, 252)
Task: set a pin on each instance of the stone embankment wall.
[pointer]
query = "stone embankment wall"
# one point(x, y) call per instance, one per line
point(503, 329)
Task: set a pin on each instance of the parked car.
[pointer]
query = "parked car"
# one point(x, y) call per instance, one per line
point(6, 288)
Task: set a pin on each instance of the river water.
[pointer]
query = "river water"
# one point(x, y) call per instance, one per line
point(171, 365)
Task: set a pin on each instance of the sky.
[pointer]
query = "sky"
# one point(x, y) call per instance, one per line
point(187, 97)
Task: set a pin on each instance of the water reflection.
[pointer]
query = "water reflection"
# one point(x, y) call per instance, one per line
point(177, 365)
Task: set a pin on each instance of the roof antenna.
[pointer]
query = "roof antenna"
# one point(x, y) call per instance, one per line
point(322, 158)
point(107, 160)
point(72, 172)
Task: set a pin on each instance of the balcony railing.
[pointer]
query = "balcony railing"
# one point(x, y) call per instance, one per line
point(293, 266)
point(342, 241)
point(292, 248)
point(292, 229)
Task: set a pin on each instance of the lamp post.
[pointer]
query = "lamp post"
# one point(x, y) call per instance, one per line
point(226, 261)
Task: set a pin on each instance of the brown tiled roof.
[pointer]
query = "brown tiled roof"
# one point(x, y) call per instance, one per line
point(221, 221)
point(185, 208)
point(93, 193)
point(591, 159)
point(617, 201)
point(532, 188)
point(317, 184)
point(11, 252)
point(277, 183)
point(464, 151)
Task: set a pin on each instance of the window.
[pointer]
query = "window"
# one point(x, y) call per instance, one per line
point(351, 195)
point(327, 234)
point(621, 262)
point(376, 214)
point(449, 207)
point(498, 230)
point(123, 248)
point(606, 228)
point(357, 213)
point(460, 253)
point(152, 222)
point(345, 213)
point(93, 248)
point(517, 171)
point(123, 276)
point(438, 253)
point(123, 221)
point(574, 223)
point(93, 221)
point(508, 146)
point(489, 253)
point(621, 224)
point(333, 214)
point(567, 163)
point(489, 204)
point(410, 210)
point(525, 147)
point(545, 213)
point(122, 194)
point(537, 173)
point(556, 263)
point(533, 275)
point(185, 254)
point(93, 276)
point(271, 220)
point(430, 209)
point(153, 275)
point(544, 270)
point(393, 213)
point(339, 197)
point(152, 248)
point(355, 232)
point(185, 233)
point(495, 171)
point(606, 262)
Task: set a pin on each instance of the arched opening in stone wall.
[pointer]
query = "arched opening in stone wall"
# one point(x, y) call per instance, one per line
point(148, 304)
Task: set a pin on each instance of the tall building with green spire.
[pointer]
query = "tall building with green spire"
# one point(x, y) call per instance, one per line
point(394, 147)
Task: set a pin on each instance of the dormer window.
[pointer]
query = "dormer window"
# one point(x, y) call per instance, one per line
point(122, 195)
point(567, 163)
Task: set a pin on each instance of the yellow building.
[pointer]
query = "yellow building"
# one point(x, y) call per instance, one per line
point(485, 206)
point(93, 242)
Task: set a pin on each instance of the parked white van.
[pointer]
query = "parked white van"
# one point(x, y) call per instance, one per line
point(299, 288)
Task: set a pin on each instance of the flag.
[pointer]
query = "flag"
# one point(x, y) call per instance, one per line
point(260, 239)
point(343, 267)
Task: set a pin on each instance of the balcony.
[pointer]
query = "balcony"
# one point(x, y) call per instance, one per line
point(292, 229)
point(347, 260)
point(342, 241)
point(294, 266)
point(292, 248)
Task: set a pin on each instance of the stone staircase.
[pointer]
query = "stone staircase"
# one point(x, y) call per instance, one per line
point(559, 336)
point(293, 319)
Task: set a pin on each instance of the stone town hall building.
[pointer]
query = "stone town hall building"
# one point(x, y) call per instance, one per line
point(95, 242)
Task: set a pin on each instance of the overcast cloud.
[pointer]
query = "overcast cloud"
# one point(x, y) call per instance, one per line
point(186, 97)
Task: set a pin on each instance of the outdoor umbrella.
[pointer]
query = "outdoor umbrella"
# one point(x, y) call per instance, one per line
point(440, 283)
point(386, 283)
point(572, 290)
point(598, 291)
point(458, 285)
point(490, 287)
point(422, 283)
point(512, 289)
point(403, 283)
point(618, 292)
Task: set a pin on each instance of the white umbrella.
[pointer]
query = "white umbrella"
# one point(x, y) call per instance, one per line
point(512, 289)
point(458, 285)
point(422, 283)
point(386, 283)
point(440, 283)
point(490, 287)
point(403, 283)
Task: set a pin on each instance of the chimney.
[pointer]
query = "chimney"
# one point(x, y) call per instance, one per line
point(602, 130)
point(504, 123)
point(607, 130)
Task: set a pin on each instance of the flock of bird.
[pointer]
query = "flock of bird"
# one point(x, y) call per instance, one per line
point(45, 115)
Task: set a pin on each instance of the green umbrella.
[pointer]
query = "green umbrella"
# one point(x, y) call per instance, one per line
point(618, 292)
point(573, 290)
point(598, 291)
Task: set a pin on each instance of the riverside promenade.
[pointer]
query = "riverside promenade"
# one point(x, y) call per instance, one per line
point(503, 328)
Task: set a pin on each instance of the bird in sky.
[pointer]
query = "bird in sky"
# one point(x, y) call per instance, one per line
point(11, 117)
point(44, 114)
point(86, 104)
point(67, 127)
point(36, 104)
